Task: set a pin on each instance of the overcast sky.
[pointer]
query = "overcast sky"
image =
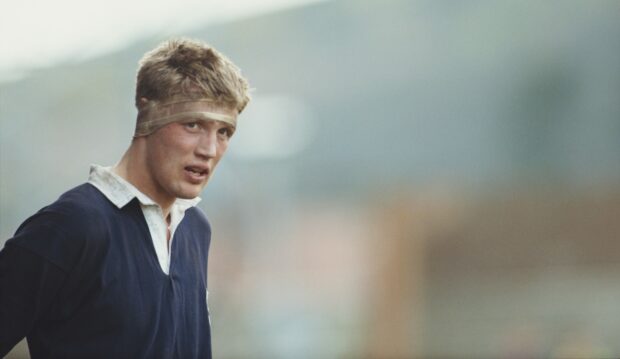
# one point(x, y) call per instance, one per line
point(40, 33)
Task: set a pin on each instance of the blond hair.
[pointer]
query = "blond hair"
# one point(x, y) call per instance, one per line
point(192, 69)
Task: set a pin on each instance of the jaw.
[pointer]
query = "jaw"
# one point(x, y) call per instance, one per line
point(188, 189)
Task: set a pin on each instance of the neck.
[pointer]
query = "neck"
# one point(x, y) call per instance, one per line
point(133, 168)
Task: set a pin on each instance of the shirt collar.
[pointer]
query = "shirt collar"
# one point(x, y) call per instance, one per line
point(120, 192)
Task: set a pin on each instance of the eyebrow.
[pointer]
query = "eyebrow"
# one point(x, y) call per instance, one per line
point(145, 127)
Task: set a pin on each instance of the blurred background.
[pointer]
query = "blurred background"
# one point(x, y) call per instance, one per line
point(413, 179)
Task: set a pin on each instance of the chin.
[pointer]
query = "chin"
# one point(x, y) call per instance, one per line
point(190, 193)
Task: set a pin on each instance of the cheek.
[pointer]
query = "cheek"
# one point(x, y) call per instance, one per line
point(165, 156)
point(174, 145)
point(159, 163)
point(222, 148)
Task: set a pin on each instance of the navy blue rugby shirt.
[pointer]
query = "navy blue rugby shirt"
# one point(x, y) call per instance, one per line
point(81, 279)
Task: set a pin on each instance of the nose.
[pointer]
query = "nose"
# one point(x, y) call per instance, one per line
point(207, 144)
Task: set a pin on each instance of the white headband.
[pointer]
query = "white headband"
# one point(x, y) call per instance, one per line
point(154, 116)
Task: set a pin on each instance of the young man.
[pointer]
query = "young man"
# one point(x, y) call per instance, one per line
point(117, 267)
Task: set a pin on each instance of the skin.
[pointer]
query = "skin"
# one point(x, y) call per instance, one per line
point(160, 165)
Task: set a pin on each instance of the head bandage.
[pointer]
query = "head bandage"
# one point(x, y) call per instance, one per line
point(156, 115)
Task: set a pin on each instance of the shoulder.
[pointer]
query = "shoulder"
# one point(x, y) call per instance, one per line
point(77, 210)
point(60, 231)
point(195, 225)
point(196, 233)
point(82, 201)
point(196, 218)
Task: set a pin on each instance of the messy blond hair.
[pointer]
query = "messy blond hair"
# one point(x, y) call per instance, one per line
point(193, 69)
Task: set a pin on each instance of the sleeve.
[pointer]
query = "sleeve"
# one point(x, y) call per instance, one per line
point(28, 285)
point(33, 267)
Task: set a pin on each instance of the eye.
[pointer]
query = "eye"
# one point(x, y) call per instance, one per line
point(226, 131)
point(193, 125)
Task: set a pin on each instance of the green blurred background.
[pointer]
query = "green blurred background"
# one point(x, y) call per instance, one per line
point(413, 179)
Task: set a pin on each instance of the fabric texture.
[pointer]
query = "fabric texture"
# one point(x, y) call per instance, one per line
point(81, 279)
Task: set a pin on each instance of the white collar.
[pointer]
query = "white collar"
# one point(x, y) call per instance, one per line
point(120, 192)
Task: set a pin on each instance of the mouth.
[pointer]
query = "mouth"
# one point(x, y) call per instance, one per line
point(196, 174)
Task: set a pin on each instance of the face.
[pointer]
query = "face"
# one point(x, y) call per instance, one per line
point(181, 156)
